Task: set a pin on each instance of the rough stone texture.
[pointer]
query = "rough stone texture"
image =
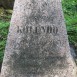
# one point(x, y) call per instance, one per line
point(37, 44)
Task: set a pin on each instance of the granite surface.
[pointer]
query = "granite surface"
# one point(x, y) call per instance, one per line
point(37, 43)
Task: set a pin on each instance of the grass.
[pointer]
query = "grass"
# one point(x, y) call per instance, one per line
point(5, 17)
point(70, 13)
point(3, 36)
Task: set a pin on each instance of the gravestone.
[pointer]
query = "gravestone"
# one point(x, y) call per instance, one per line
point(37, 44)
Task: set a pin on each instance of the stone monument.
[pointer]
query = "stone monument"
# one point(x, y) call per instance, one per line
point(37, 43)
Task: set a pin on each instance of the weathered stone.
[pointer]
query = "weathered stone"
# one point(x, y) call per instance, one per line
point(37, 44)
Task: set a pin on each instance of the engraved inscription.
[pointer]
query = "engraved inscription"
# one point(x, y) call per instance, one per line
point(41, 29)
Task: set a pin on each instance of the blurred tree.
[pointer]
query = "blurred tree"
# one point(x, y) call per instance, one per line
point(6, 4)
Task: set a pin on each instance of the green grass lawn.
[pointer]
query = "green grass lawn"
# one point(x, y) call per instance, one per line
point(70, 13)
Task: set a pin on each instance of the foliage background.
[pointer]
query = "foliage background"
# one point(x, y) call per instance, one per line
point(70, 13)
